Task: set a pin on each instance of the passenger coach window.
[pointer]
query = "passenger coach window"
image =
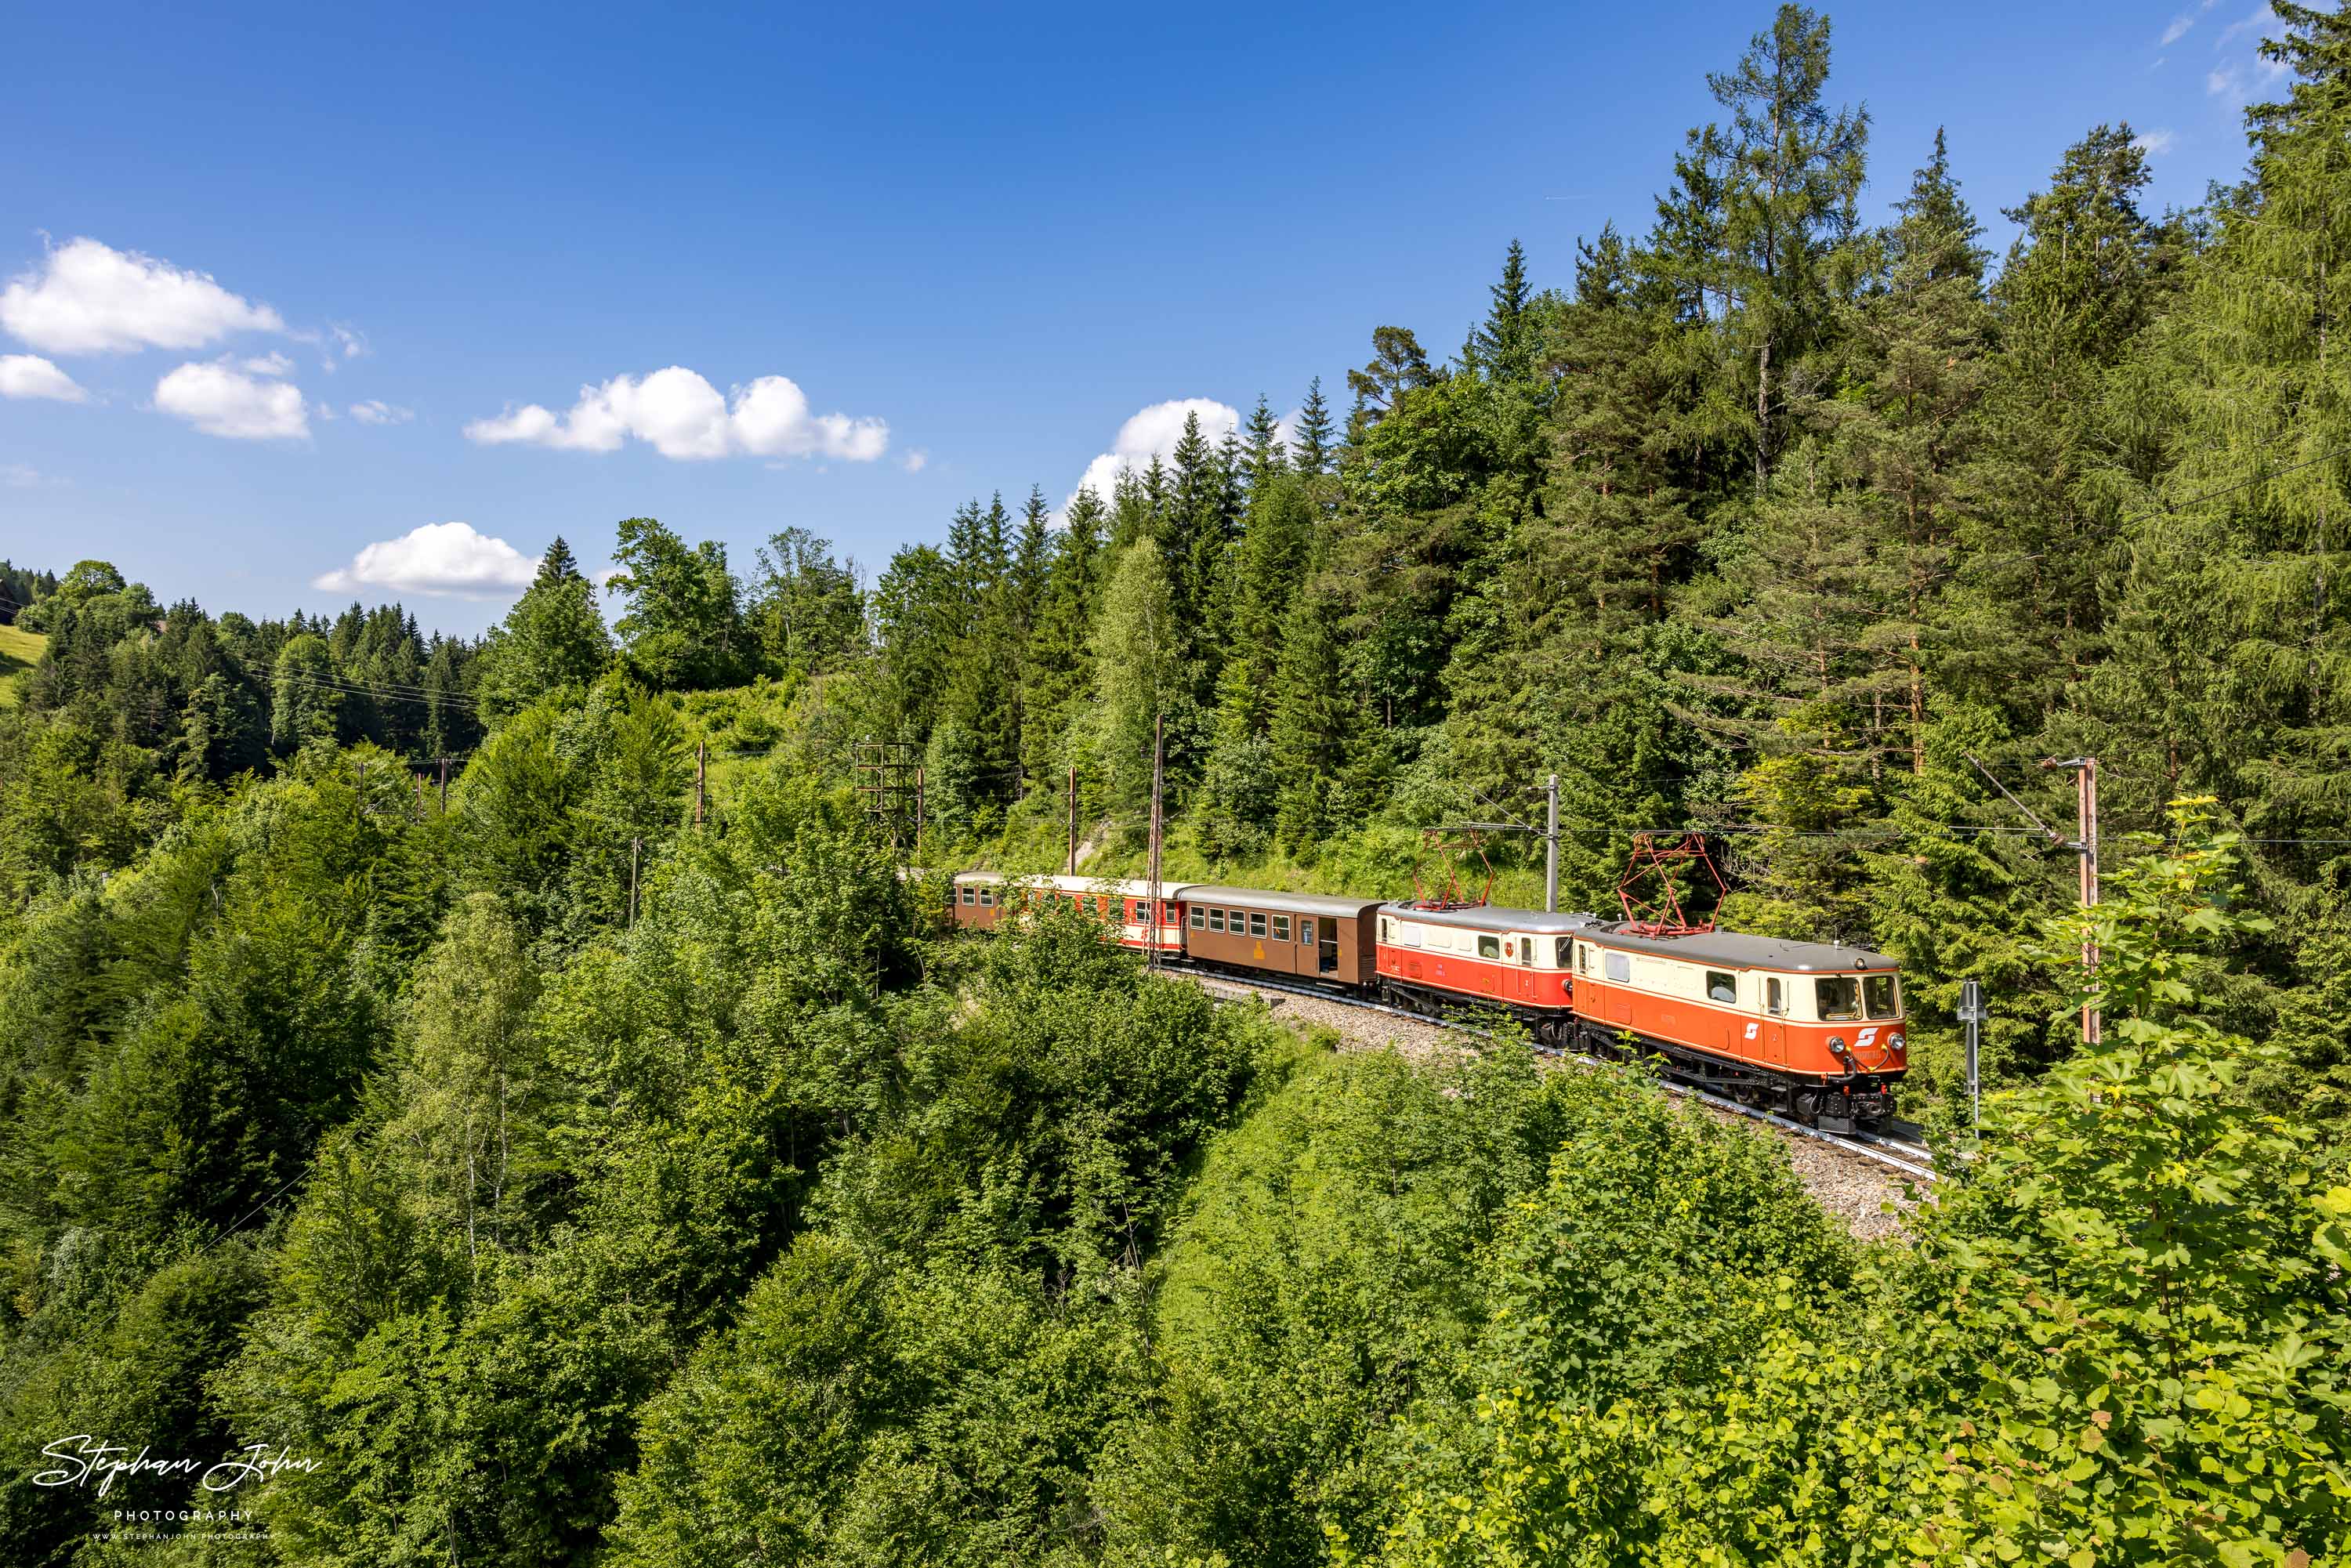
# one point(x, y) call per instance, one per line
point(1565, 950)
point(1306, 931)
point(1281, 927)
point(988, 897)
point(1236, 921)
point(1840, 997)
point(1525, 952)
point(1216, 920)
point(969, 896)
point(1489, 946)
point(1256, 923)
point(1879, 991)
point(1199, 918)
point(1721, 988)
point(1619, 966)
point(1775, 997)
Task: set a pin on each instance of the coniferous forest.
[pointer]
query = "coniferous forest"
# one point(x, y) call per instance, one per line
point(522, 1080)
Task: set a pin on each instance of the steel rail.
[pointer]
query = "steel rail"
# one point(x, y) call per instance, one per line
point(1869, 1146)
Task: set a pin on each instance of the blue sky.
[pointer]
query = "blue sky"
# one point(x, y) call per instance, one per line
point(986, 241)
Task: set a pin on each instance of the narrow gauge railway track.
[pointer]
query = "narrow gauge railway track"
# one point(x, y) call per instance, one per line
point(1904, 1157)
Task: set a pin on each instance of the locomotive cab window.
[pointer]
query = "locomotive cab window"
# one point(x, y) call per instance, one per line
point(1878, 990)
point(1281, 927)
point(1387, 931)
point(1619, 966)
point(1839, 997)
point(1256, 923)
point(1564, 950)
point(1775, 996)
point(1216, 920)
point(1721, 986)
point(1489, 946)
point(1525, 952)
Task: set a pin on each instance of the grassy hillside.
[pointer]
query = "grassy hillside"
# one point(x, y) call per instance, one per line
point(19, 652)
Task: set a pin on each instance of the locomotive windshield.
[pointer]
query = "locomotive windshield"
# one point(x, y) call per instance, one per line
point(1842, 996)
point(1878, 990)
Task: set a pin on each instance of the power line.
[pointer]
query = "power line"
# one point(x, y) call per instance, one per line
point(2241, 485)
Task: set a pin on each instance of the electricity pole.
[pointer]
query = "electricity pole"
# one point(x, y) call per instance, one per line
point(1158, 771)
point(697, 782)
point(635, 845)
point(1551, 845)
point(1073, 818)
point(2085, 805)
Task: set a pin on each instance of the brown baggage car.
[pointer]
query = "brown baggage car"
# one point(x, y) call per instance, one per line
point(1308, 934)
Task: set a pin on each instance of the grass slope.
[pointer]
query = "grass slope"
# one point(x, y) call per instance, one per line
point(19, 652)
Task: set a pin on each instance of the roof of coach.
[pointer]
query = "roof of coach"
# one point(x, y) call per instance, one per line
point(1491, 917)
point(1743, 951)
point(1317, 904)
point(1115, 887)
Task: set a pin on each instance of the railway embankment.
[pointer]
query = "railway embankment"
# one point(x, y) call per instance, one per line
point(1867, 1197)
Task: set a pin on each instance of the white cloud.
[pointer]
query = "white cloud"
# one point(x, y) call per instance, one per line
point(374, 411)
point(684, 417)
point(2258, 21)
point(2239, 81)
point(25, 476)
point(444, 559)
point(221, 400)
point(1152, 433)
point(2177, 30)
point(2155, 143)
point(914, 461)
point(89, 299)
point(29, 375)
point(270, 364)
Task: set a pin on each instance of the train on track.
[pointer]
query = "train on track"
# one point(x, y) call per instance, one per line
point(1812, 1030)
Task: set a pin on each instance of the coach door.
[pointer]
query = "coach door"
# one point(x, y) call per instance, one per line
point(1520, 951)
point(1775, 1019)
point(1617, 969)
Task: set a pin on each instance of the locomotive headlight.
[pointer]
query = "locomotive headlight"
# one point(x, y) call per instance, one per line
point(1836, 1046)
point(1893, 1041)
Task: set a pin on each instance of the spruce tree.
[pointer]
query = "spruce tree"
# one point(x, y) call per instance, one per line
point(1770, 197)
point(1501, 349)
point(1311, 447)
point(554, 639)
